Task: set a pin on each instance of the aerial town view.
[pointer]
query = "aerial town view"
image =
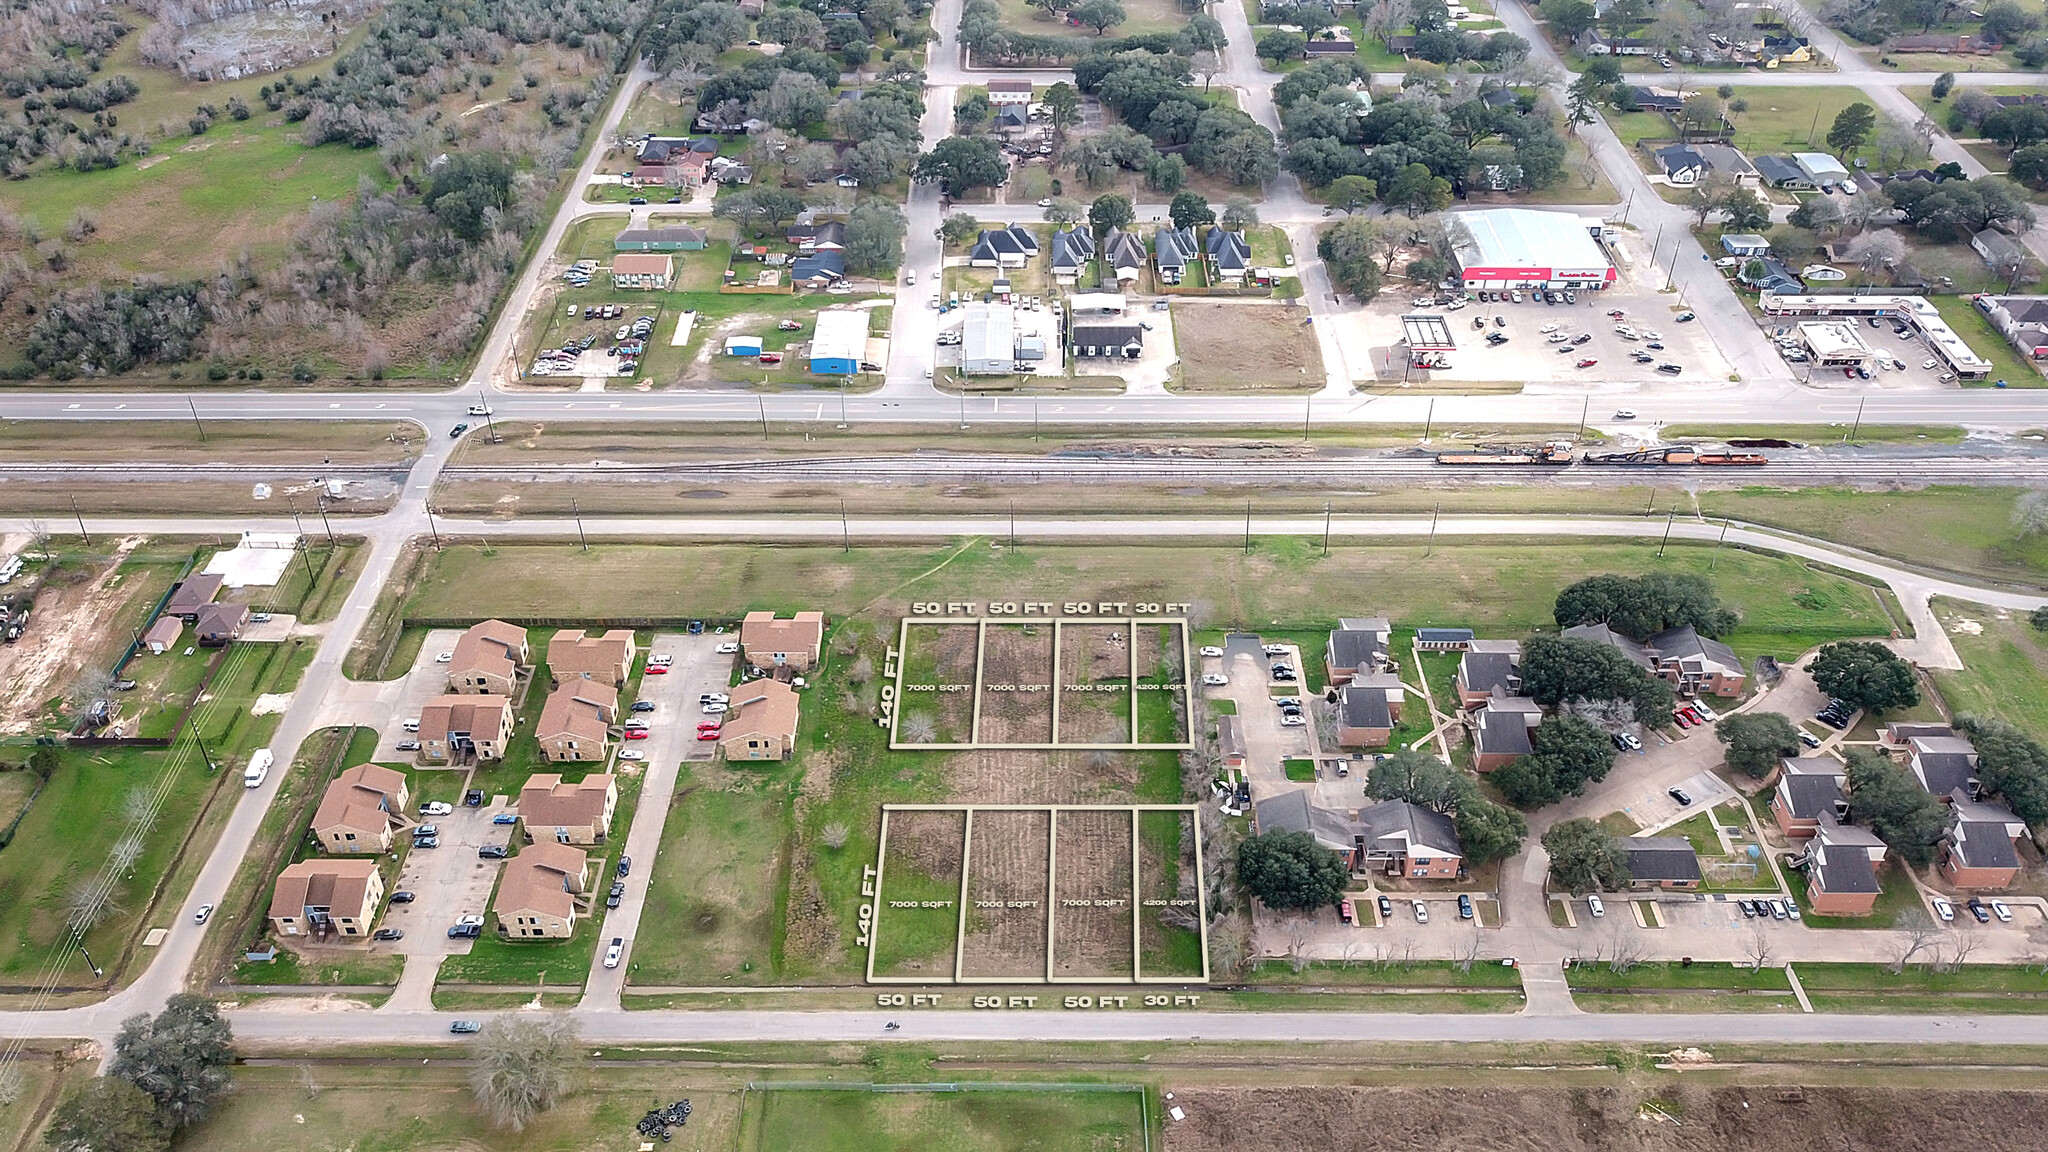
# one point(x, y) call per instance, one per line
point(1023, 575)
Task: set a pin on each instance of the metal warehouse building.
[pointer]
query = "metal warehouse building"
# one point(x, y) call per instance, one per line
point(839, 342)
point(1505, 248)
point(988, 345)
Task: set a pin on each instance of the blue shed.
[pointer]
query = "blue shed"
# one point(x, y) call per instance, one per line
point(743, 346)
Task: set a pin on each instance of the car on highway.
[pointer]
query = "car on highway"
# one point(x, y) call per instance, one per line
point(1215, 679)
point(613, 951)
point(456, 432)
point(480, 410)
point(200, 916)
point(387, 934)
point(1625, 414)
point(464, 1027)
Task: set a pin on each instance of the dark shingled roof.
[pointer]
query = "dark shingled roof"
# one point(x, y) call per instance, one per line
point(1661, 858)
point(1503, 732)
point(1485, 671)
point(1845, 871)
point(1364, 708)
point(1811, 793)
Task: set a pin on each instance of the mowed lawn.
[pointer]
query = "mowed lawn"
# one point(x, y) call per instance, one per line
point(1145, 18)
point(827, 1121)
point(1781, 120)
point(2005, 666)
point(1504, 588)
point(711, 901)
point(1954, 529)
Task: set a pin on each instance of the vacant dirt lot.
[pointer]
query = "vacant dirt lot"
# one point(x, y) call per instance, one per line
point(1016, 685)
point(1246, 348)
point(1695, 1118)
point(1008, 865)
point(1094, 865)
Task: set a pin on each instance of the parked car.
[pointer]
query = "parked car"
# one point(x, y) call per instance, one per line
point(625, 865)
point(505, 818)
point(730, 647)
point(1215, 679)
point(1294, 720)
point(2003, 913)
point(1211, 650)
point(426, 842)
point(437, 808)
point(1748, 909)
point(1943, 910)
point(706, 735)
point(474, 798)
point(632, 754)
point(1977, 909)
point(1681, 795)
point(714, 698)
point(1627, 742)
point(426, 830)
point(491, 852)
point(1421, 912)
point(1778, 911)
point(1386, 909)
point(643, 705)
point(402, 897)
point(1464, 907)
point(657, 669)
point(1588, 362)
point(387, 934)
point(1594, 906)
point(464, 1027)
point(613, 951)
point(407, 746)
point(1808, 739)
point(1274, 649)
point(637, 734)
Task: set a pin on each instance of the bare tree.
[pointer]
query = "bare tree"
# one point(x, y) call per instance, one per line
point(1758, 947)
point(1911, 935)
point(522, 1065)
point(313, 1087)
point(10, 1084)
point(834, 835)
point(2030, 512)
point(1954, 951)
point(1873, 252)
point(1467, 952)
point(1296, 932)
point(862, 670)
point(89, 902)
point(1207, 64)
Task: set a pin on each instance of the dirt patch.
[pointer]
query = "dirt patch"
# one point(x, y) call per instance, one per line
point(1246, 348)
point(1676, 1118)
point(1016, 700)
point(938, 685)
point(71, 607)
point(1004, 777)
point(1095, 684)
point(1092, 897)
point(1009, 872)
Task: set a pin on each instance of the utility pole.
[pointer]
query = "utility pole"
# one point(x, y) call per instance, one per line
point(1584, 408)
point(1434, 511)
point(436, 532)
point(1858, 426)
point(763, 402)
point(490, 426)
point(1717, 546)
point(963, 409)
point(1034, 419)
point(300, 548)
point(1668, 515)
point(1308, 406)
point(1326, 528)
point(577, 513)
point(195, 419)
point(845, 530)
point(204, 753)
point(1013, 527)
point(96, 970)
point(842, 401)
point(1652, 505)
point(1429, 420)
point(81, 522)
point(320, 501)
point(1247, 527)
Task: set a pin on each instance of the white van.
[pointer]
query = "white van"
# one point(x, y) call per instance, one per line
point(259, 767)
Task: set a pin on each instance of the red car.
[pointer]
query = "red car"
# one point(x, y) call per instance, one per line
point(1588, 362)
point(1616, 313)
point(771, 357)
point(637, 733)
point(1683, 720)
point(708, 734)
point(657, 669)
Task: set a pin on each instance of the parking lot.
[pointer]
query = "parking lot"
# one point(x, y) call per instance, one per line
point(449, 881)
point(1039, 320)
point(1267, 742)
point(1892, 341)
point(423, 682)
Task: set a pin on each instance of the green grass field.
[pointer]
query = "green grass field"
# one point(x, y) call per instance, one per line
point(1145, 18)
point(1019, 1121)
point(1963, 530)
point(711, 900)
point(2005, 671)
point(1984, 340)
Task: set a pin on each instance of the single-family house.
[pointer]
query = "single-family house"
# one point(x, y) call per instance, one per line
point(1808, 788)
point(1173, 250)
point(193, 593)
point(459, 727)
point(1443, 639)
point(1069, 251)
point(2022, 320)
point(359, 810)
point(1230, 741)
point(1822, 169)
point(1358, 644)
point(488, 658)
point(644, 271)
point(1500, 731)
point(322, 897)
point(2001, 253)
point(1841, 873)
point(770, 644)
point(1745, 244)
point(826, 236)
point(1481, 674)
point(820, 269)
point(1943, 764)
point(677, 239)
point(1319, 48)
point(1785, 50)
point(1681, 164)
point(1125, 253)
point(1652, 100)
point(1781, 172)
point(1104, 339)
point(1005, 92)
point(1230, 256)
point(220, 624)
point(1363, 718)
point(1661, 862)
point(762, 722)
point(1393, 836)
point(578, 813)
point(1724, 160)
point(1008, 247)
point(1979, 851)
point(1770, 274)
point(1012, 119)
point(574, 654)
point(536, 897)
point(164, 634)
point(575, 723)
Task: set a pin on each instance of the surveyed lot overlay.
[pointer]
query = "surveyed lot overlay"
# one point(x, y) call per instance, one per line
point(1080, 683)
point(1036, 893)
